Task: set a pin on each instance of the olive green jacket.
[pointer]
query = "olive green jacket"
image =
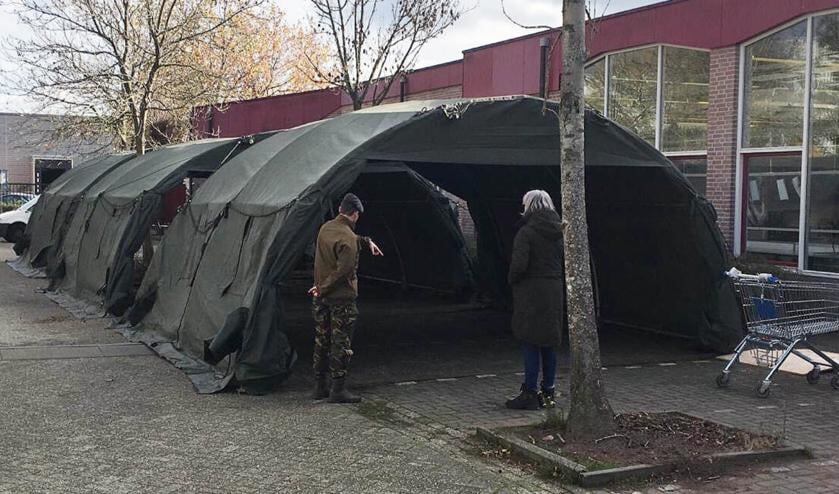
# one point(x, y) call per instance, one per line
point(336, 260)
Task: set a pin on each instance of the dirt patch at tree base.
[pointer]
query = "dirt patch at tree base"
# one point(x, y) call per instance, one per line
point(648, 438)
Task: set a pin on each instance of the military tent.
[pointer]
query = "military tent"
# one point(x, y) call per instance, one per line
point(50, 217)
point(658, 252)
point(96, 259)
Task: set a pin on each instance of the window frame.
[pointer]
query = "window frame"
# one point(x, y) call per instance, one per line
point(687, 155)
point(743, 153)
point(742, 236)
point(659, 108)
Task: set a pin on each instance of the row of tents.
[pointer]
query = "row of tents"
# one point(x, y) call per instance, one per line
point(211, 299)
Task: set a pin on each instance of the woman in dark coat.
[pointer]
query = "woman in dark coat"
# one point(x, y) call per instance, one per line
point(536, 277)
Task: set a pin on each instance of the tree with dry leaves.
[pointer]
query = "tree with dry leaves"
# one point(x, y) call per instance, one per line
point(372, 46)
point(261, 53)
point(136, 69)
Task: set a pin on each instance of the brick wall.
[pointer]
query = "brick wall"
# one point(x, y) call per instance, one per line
point(24, 137)
point(722, 136)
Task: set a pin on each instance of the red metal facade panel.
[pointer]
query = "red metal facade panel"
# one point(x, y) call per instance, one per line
point(422, 80)
point(498, 69)
point(693, 23)
point(477, 73)
point(512, 67)
point(745, 19)
point(280, 112)
point(172, 200)
point(439, 76)
point(508, 68)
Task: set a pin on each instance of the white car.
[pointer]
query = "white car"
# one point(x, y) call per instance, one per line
point(13, 223)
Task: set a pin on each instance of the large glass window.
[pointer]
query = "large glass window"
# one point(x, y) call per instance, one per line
point(773, 188)
point(695, 170)
point(633, 90)
point(823, 190)
point(596, 85)
point(633, 84)
point(685, 99)
point(774, 84)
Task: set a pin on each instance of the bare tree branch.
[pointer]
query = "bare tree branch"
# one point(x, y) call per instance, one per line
point(138, 67)
point(371, 49)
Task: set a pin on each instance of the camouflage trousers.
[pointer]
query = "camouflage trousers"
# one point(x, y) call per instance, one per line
point(334, 326)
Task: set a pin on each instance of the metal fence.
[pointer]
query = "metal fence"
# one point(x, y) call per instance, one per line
point(14, 195)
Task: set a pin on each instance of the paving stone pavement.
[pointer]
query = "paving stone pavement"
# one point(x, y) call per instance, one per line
point(74, 420)
point(800, 413)
point(82, 411)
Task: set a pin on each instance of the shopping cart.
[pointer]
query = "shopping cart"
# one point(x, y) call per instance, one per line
point(780, 317)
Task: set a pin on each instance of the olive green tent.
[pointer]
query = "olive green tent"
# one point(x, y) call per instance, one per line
point(95, 262)
point(215, 294)
point(50, 217)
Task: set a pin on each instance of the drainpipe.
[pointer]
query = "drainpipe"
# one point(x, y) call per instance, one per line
point(403, 87)
point(543, 65)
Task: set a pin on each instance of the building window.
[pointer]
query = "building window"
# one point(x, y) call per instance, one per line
point(660, 93)
point(685, 99)
point(596, 86)
point(791, 199)
point(773, 192)
point(695, 169)
point(47, 169)
point(633, 90)
point(4, 176)
point(823, 191)
point(775, 86)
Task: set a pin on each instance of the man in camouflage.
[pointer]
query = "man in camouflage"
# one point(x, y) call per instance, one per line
point(333, 299)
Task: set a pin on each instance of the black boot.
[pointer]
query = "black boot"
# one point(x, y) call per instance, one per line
point(526, 400)
point(547, 397)
point(339, 393)
point(321, 388)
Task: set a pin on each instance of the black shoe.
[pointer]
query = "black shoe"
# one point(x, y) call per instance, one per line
point(339, 393)
point(547, 398)
point(526, 400)
point(321, 388)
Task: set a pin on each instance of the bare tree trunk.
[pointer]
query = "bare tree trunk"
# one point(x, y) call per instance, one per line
point(140, 135)
point(140, 149)
point(589, 414)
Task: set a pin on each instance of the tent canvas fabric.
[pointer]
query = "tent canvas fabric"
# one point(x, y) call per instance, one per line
point(96, 259)
point(48, 221)
point(224, 264)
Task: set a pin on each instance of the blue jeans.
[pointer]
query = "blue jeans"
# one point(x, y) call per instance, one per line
point(532, 356)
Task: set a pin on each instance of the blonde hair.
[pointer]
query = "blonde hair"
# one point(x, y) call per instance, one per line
point(535, 200)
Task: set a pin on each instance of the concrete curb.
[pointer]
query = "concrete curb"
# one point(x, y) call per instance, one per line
point(533, 452)
point(579, 474)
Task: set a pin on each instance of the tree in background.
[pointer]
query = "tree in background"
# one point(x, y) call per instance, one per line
point(126, 67)
point(369, 48)
point(261, 54)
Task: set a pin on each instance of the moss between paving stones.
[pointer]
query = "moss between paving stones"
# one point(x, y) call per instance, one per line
point(589, 472)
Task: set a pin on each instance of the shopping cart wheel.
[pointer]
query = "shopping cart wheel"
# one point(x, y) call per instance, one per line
point(835, 382)
point(814, 375)
point(762, 389)
point(723, 379)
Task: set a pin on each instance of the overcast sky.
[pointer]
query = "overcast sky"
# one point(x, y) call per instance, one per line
point(482, 24)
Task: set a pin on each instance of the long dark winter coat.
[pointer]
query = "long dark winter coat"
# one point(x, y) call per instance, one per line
point(536, 276)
